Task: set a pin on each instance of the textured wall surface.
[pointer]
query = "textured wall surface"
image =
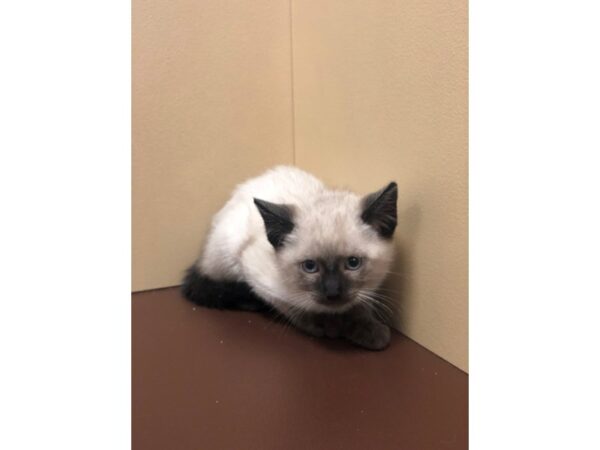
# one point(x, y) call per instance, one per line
point(211, 107)
point(372, 91)
point(380, 93)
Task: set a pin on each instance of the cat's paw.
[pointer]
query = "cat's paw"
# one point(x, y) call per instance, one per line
point(332, 325)
point(313, 329)
point(370, 335)
point(322, 326)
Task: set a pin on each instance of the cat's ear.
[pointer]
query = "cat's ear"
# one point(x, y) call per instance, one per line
point(379, 210)
point(278, 220)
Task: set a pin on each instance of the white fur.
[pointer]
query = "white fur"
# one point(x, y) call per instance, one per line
point(237, 247)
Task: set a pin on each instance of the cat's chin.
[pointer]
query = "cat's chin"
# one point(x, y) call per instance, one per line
point(332, 308)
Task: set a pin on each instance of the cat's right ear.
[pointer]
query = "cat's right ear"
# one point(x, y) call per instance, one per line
point(379, 210)
point(278, 221)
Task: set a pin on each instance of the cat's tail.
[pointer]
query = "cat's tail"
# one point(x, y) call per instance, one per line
point(205, 291)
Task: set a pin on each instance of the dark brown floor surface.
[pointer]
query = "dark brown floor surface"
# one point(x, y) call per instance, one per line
point(206, 379)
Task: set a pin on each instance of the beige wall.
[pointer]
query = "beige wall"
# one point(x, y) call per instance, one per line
point(379, 93)
point(211, 107)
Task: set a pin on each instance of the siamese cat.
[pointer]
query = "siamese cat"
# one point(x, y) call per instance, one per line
point(286, 242)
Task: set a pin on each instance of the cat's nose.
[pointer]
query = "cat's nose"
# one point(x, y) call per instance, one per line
point(331, 286)
point(333, 297)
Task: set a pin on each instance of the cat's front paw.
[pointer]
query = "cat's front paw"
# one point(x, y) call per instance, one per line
point(370, 335)
point(332, 325)
point(322, 325)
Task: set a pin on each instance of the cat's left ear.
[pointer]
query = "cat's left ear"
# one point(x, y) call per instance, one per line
point(278, 221)
point(380, 211)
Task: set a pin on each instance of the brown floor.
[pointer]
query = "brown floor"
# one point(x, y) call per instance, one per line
point(206, 379)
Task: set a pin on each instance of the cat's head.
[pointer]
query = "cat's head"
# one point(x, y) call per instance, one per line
point(333, 251)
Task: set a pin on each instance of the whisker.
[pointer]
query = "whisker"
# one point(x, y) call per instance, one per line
point(400, 274)
point(375, 303)
point(380, 296)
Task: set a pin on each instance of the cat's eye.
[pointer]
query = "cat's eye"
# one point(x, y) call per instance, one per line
point(310, 266)
point(353, 263)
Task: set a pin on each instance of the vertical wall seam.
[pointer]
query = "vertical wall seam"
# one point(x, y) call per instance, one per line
point(292, 86)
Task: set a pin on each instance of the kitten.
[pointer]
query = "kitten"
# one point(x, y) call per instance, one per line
point(284, 241)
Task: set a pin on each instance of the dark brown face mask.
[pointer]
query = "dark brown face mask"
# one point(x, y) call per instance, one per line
point(332, 284)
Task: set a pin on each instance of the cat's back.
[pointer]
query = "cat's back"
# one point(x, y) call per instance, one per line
point(282, 184)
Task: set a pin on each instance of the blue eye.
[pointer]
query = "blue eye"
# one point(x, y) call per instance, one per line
point(310, 266)
point(353, 263)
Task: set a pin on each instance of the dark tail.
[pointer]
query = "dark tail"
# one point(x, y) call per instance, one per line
point(204, 291)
